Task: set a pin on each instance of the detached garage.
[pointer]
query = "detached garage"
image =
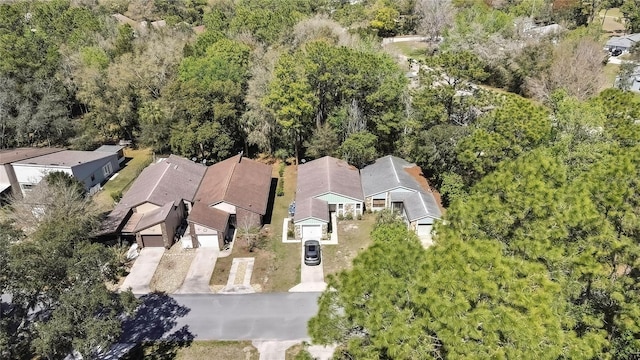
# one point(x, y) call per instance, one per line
point(208, 241)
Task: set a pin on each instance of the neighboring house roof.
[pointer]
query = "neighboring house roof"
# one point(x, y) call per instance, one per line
point(210, 217)
point(311, 208)
point(545, 30)
point(8, 156)
point(625, 41)
point(125, 20)
point(239, 181)
point(154, 217)
point(388, 173)
point(113, 149)
point(169, 180)
point(418, 205)
point(64, 159)
point(172, 179)
point(328, 175)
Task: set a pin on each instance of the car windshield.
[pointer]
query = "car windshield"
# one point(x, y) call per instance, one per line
point(312, 248)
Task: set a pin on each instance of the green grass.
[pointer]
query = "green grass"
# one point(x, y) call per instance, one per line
point(610, 73)
point(201, 350)
point(413, 49)
point(285, 269)
point(139, 159)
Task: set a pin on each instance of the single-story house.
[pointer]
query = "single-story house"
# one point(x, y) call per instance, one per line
point(153, 209)
point(233, 193)
point(393, 183)
point(113, 149)
point(325, 185)
point(622, 43)
point(91, 168)
point(8, 180)
point(633, 81)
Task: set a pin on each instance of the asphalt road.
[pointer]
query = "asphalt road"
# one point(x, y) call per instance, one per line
point(260, 316)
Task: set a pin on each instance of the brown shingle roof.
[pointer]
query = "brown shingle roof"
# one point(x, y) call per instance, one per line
point(171, 180)
point(154, 217)
point(20, 154)
point(240, 181)
point(209, 217)
point(328, 175)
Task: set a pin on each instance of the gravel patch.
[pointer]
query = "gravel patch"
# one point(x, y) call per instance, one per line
point(172, 269)
point(242, 269)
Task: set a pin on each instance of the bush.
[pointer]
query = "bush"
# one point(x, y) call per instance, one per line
point(281, 154)
point(349, 216)
point(280, 188)
point(281, 169)
point(116, 195)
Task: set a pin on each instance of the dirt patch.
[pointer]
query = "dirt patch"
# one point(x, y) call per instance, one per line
point(202, 350)
point(353, 237)
point(172, 269)
point(220, 275)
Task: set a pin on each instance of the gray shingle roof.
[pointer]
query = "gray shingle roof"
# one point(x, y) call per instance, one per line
point(418, 205)
point(328, 175)
point(65, 158)
point(387, 173)
point(625, 41)
point(311, 208)
point(110, 148)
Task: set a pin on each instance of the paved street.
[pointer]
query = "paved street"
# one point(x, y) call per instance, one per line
point(260, 316)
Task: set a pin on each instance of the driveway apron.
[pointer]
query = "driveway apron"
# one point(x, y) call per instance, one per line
point(200, 271)
point(142, 270)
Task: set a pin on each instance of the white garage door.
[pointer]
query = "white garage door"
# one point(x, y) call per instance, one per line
point(208, 241)
point(311, 232)
point(424, 230)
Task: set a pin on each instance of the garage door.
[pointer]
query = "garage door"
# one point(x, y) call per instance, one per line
point(152, 241)
point(210, 241)
point(310, 232)
point(424, 230)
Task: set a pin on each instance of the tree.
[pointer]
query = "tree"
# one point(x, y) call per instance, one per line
point(292, 100)
point(434, 17)
point(359, 148)
point(324, 142)
point(59, 303)
point(631, 11)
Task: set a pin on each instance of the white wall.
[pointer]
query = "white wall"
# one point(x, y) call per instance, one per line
point(228, 208)
point(29, 174)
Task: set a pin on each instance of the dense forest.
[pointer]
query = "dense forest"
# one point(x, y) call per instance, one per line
point(538, 254)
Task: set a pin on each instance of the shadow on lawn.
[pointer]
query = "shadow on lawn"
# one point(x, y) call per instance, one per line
point(153, 327)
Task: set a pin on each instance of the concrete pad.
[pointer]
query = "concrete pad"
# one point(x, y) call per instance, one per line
point(311, 277)
point(200, 271)
point(235, 284)
point(142, 270)
point(321, 352)
point(273, 350)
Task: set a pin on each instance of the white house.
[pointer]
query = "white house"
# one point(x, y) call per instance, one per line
point(89, 167)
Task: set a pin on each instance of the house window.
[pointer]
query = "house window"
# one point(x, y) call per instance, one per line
point(378, 203)
point(27, 187)
point(358, 208)
point(107, 169)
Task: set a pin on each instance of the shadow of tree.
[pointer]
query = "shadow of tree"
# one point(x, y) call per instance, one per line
point(153, 326)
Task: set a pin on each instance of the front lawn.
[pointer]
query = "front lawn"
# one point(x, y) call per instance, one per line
point(201, 350)
point(277, 265)
point(353, 237)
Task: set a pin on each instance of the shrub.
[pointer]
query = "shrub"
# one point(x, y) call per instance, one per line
point(116, 195)
point(280, 188)
point(349, 216)
point(281, 169)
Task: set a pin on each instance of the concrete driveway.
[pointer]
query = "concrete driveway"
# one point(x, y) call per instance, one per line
point(311, 277)
point(200, 271)
point(142, 270)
